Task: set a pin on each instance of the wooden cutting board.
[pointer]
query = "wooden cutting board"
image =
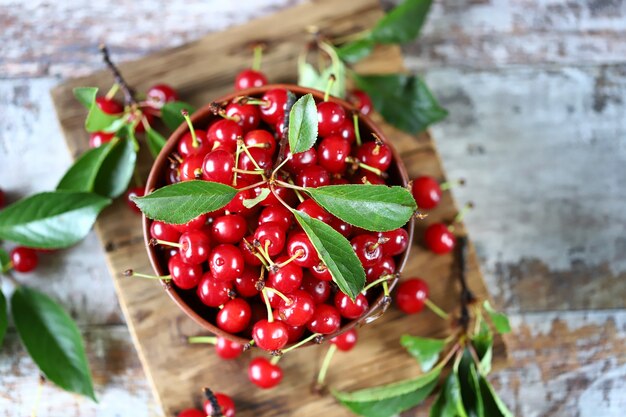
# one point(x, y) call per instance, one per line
point(204, 70)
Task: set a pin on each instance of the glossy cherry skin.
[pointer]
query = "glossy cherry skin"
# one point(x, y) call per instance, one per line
point(426, 192)
point(439, 238)
point(301, 160)
point(194, 224)
point(274, 111)
point(250, 78)
point(230, 228)
point(213, 292)
point(321, 272)
point(227, 349)
point(375, 155)
point(109, 106)
point(164, 231)
point(160, 94)
point(217, 166)
point(313, 209)
point(295, 333)
point(227, 406)
point(134, 192)
point(385, 266)
point(247, 116)
point(263, 373)
point(261, 139)
point(184, 275)
point(342, 227)
point(287, 278)
point(367, 177)
point(345, 341)
point(100, 138)
point(397, 243)
point(226, 262)
point(191, 412)
point(278, 215)
point(224, 134)
point(367, 249)
point(236, 204)
point(287, 195)
point(319, 290)
point(270, 336)
point(172, 175)
point(361, 101)
point(300, 242)
point(330, 117)
point(300, 309)
point(186, 146)
point(262, 158)
point(351, 309)
point(245, 285)
point(412, 295)
point(191, 168)
point(325, 320)
point(195, 247)
point(234, 316)
point(24, 259)
point(332, 152)
point(272, 237)
point(346, 131)
point(312, 176)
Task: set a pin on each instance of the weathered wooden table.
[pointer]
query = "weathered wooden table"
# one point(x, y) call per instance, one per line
point(537, 95)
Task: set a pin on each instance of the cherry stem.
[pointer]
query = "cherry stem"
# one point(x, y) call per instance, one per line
point(436, 309)
point(280, 165)
point(383, 278)
point(218, 110)
point(270, 314)
point(256, 165)
point(243, 171)
point(386, 290)
point(352, 160)
point(295, 256)
point(258, 57)
point(461, 214)
point(467, 296)
point(249, 187)
point(302, 342)
point(35, 409)
point(251, 100)
point(451, 184)
point(131, 273)
point(275, 359)
point(279, 198)
point(154, 242)
point(357, 130)
point(329, 86)
point(216, 408)
point(265, 255)
point(211, 340)
point(194, 138)
point(280, 294)
point(321, 377)
point(129, 96)
point(112, 91)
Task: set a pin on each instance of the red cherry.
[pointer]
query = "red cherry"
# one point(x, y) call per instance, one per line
point(226, 404)
point(330, 117)
point(213, 292)
point(270, 335)
point(300, 309)
point(367, 249)
point(287, 278)
point(361, 101)
point(164, 231)
point(312, 176)
point(262, 139)
point(412, 295)
point(345, 229)
point(384, 267)
point(263, 373)
point(321, 272)
point(226, 262)
point(109, 106)
point(194, 224)
point(287, 195)
point(24, 259)
point(186, 146)
point(332, 153)
point(397, 243)
point(227, 349)
point(439, 238)
point(247, 249)
point(191, 412)
point(160, 94)
point(299, 242)
point(367, 177)
point(325, 320)
point(262, 158)
point(234, 316)
point(230, 228)
point(139, 126)
point(100, 138)
point(173, 175)
point(134, 192)
point(346, 131)
point(247, 116)
point(274, 111)
point(246, 283)
point(377, 155)
point(217, 166)
point(319, 290)
point(279, 127)
point(191, 168)
point(184, 276)
point(276, 214)
point(272, 297)
point(236, 204)
point(224, 134)
point(313, 209)
point(295, 333)
point(351, 309)
point(346, 340)
point(272, 238)
point(249, 78)
point(301, 160)
point(195, 247)
point(426, 192)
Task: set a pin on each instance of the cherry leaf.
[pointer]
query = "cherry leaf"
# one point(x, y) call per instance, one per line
point(53, 341)
point(372, 207)
point(355, 51)
point(303, 124)
point(402, 24)
point(51, 220)
point(251, 202)
point(4, 317)
point(156, 142)
point(336, 253)
point(494, 406)
point(5, 261)
point(449, 403)
point(97, 120)
point(500, 321)
point(117, 169)
point(425, 350)
point(468, 381)
point(181, 202)
point(171, 113)
point(82, 174)
point(483, 344)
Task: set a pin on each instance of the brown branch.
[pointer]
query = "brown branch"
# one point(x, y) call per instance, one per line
point(467, 297)
point(284, 139)
point(129, 94)
point(215, 406)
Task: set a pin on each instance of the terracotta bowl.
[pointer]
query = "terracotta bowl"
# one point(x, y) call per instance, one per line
point(187, 300)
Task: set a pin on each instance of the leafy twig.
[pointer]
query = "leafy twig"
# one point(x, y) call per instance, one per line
point(129, 94)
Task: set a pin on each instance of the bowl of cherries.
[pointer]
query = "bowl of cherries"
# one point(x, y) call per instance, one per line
point(278, 216)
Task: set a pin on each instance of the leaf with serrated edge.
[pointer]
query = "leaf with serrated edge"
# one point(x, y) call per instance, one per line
point(424, 349)
point(494, 406)
point(117, 169)
point(251, 202)
point(303, 124)
point(171, 113)
point(184, 201)
point(336, 253)
point(372, 207)
point(500, 321)
point(51, 220)
point(355, 51)
point(97, 120)
point(403, 23)
point(4, 317)
point(53, 341)
point(308, 75)
point(155, 141)
point(85, 95)
point(82, 174)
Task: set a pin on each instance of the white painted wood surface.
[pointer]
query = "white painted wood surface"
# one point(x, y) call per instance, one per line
point(536, 91)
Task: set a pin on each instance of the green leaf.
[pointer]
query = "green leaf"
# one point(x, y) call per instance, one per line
point(117, 170)
point(251, 202)
point(500, 321)
point(97, 120)
point(4, 317)
point(425, 350)
point(171, 113)
point(403, 23)
point(116, 125)
point(353, 52)
point(468, 380)
point(377, 208)
point(181, 202)
point(303, 124)
point(85, 95)
point(404, 101)
point(308, 76)
point(82, 174)
point(156, 142)
point(494, 406)
point(52, 340)
point(51, 220)
point(483, 345)
point(449, 403)
point(336, 253)
point(5, 261)
point(393, 405)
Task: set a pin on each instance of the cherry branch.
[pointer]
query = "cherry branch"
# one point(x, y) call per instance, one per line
point(129, 94)
point(215, 406)
point(467, 297)
point(284, 139)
